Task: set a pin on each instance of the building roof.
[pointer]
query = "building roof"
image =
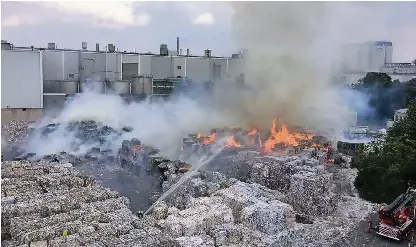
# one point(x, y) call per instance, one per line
point(402, 110)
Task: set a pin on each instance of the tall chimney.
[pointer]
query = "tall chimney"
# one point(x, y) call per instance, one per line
point(187, 52)
point(97, 47)
point(177, 46)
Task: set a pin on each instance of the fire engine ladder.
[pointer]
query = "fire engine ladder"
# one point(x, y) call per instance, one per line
point(388, 231)
point(406, 224)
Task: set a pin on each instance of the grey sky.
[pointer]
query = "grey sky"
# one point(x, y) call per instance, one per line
point(145, 25)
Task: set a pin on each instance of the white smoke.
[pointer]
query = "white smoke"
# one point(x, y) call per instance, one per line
point(291, 50)
point(161, 125)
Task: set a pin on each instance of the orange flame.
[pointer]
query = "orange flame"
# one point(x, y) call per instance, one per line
point(252, 132)
point(283, 136)
point(207, 139)
point(231, 142)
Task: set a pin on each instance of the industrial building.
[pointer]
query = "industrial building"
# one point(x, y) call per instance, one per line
point(376, 56)
point(399, 115)
point(35, 80)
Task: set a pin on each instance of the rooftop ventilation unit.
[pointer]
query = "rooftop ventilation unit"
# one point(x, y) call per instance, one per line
point(111, 48)
point(51, 46)
point(207, 53)
point(164, 50)
point(84, 45)
point(5, 45)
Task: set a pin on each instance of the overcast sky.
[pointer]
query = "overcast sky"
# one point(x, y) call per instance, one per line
point(143, 26)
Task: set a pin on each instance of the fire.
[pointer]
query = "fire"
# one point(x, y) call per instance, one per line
point(231, 142)
point(207, 139)
point(283, 136)
point(252, 132)
point(280, 135)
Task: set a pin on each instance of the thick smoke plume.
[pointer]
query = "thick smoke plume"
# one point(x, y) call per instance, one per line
point(292, 48)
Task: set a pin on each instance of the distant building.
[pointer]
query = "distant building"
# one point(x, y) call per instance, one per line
point(376, 56)
point(399, 115)
point(366, 57)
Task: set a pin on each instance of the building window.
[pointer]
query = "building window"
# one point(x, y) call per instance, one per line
point(179, 67)
point(23, 109)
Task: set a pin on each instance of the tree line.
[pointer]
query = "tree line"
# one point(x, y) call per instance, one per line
point(386, 166)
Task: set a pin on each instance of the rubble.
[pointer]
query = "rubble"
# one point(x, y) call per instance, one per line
point(41, 200)
point(243, 198)
point(14, 134)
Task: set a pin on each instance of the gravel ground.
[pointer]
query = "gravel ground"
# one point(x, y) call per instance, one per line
point(360, 237)
point(13, 134)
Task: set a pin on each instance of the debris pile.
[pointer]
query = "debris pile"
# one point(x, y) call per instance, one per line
point(243, 197)
point(51, 204)
point(14, 134)
point(285, 201)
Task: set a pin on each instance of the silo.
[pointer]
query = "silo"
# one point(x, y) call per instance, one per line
point(148, 85)
point(92, 86)
point(69, 87)
point(120, 87)
point(142, 85)
point(136, 86)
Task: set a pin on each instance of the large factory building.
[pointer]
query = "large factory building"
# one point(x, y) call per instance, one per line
point(376, 56)
point(35, 80)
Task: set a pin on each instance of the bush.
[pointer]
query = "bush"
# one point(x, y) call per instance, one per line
point(385, 167)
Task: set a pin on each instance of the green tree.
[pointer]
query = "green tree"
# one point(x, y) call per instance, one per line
point(385, 166)
point(410, 90)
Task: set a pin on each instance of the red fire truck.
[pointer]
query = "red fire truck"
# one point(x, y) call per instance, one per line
point(398, 220)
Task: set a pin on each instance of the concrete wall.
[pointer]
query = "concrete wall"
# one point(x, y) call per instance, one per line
point(21, 79)
point(32, 114)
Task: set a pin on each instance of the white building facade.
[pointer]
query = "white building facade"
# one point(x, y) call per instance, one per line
point(399, 115)
point(376, 56)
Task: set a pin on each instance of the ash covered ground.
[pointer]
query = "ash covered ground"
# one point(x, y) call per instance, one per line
point(241, 198)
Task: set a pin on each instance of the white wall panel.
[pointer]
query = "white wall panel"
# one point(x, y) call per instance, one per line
point(53, 62)
point(162, 67)
point(198, 69)
point(71, 64)
point(179, 66)
point(21, 79)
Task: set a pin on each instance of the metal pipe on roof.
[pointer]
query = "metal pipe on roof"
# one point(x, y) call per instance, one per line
point(63, 65)
point(121, 67)
point(140, 65)
point(106, 62)
point(226, 71)
point(185, 66)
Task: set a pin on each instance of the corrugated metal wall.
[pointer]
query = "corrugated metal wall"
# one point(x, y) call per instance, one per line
point(21, 79)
